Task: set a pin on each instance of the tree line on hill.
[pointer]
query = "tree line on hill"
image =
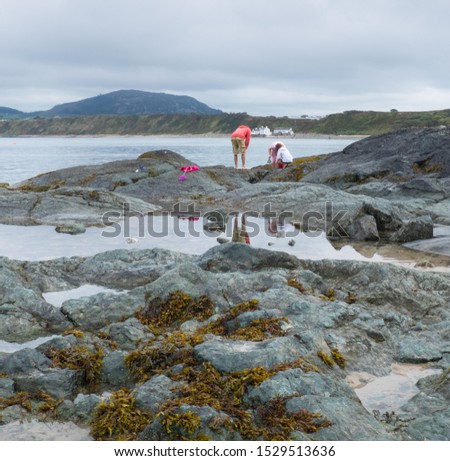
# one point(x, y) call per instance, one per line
point(347, 123)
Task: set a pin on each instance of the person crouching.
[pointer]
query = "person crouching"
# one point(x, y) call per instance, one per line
point(284, 157)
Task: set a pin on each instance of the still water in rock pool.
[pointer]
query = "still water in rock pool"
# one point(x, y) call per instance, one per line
point(42, 242)
point(56, 299)
point(388, 393)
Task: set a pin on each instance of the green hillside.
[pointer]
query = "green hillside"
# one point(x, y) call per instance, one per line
point(371, 122)
point(347, 123)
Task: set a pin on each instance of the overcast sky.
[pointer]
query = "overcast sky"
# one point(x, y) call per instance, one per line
point(283, 57)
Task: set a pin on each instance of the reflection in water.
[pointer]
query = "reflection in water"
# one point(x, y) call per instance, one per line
point(240, 234)
point(404, 254)
point(191, 236)
point(172, 233)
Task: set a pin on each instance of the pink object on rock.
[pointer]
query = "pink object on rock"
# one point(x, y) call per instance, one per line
point(182, 178)
point(189, 168)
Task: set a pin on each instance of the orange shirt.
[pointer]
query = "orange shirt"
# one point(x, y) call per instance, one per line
point(244, 133)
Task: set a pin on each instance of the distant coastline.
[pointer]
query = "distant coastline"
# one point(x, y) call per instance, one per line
point(351, 123)
point(188, 135)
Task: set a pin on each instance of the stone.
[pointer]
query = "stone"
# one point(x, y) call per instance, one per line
point(6, 388)
point(364, 228)
point(25, 360)
point(228, 356)
point(416, 350)
point(154, 392)
point(71, 228)
point(127, 334)
point(349, 419)
point(84, 406)
point(416, 229)
point(59, 383)
point(114, 371)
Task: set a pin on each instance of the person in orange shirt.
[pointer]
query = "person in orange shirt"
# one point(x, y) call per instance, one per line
point(240, 139)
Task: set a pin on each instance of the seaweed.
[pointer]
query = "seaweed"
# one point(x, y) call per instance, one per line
point(118, 418)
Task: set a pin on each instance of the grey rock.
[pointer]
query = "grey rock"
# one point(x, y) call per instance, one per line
point(6, 388)
point(128, 269)
point(190, 326)
point(71, 228)
point(25, 360)
point(114, 371)
point(295, 382)
point(190, 279)
point(408, 152)
point(228, 356)
point(84, 406)
point(427, 414)
point(127, 334)
point(417, 350)
point(59, 383)
point(235, 257)
point(11, 414)
point(364, 228)
point(24, 315)
point(415, 229)
point(153, 393)
point(65, 205)
point(95, 312)
point(58, 343)
point(349, 419)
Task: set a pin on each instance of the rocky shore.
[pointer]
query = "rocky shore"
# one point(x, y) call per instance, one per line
point(237, 343)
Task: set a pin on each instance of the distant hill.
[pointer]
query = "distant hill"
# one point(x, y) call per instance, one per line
point(130, 102)
point(8, 111)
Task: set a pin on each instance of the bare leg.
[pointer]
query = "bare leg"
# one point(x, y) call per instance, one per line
point(243, 161)
point(235, 161)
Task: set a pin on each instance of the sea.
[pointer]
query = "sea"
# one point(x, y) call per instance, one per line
point(25, 157)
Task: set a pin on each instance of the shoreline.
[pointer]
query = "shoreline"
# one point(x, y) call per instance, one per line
point(189, 135)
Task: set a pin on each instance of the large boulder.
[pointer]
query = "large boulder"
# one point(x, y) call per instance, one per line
point(402, 154)
point(228, 356)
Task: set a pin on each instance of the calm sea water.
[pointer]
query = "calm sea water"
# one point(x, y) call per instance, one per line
point(23, 158)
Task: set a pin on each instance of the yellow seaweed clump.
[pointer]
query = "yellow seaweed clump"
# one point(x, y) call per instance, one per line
point(79, 358)
point(260, 329)
point(326, 359)
point(118, 418)
point(338, 358)
point(157, 357)
point(176, 309)
point(278, 424)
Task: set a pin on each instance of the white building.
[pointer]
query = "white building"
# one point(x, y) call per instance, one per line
point(261, 131)
point(283, 132)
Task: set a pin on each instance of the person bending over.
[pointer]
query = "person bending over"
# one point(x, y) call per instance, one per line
point(240, 140)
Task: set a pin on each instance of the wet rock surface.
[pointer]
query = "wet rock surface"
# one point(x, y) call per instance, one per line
point(323, 321)
point(238, 343)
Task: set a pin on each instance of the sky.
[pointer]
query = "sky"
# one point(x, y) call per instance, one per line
point(282, 58)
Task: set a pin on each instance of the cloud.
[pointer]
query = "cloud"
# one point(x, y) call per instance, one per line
point(291, 57)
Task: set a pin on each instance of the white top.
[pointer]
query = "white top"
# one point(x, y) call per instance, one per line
point(284, 155)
